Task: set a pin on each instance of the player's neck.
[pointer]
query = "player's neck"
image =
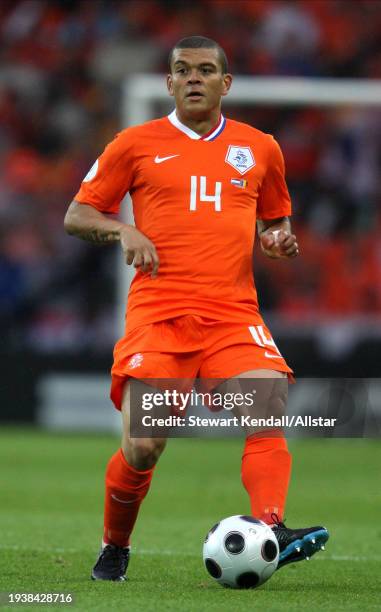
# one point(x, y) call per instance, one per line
point(200, 125)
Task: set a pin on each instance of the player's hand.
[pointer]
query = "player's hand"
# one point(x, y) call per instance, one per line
point(279, 244)
point(139, 250)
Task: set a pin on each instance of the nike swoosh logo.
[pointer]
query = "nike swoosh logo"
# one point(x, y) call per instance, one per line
point(123, 501)
point(273, 356)
point(159, 160)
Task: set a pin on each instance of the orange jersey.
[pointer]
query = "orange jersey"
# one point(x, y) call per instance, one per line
point(197, 199)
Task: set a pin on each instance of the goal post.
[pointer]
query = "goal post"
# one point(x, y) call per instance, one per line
point(142, 92)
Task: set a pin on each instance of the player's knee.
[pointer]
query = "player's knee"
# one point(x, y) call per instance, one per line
point(278, 399)
point(143, 453)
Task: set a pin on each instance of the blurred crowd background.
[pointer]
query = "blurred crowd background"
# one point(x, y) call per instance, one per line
point(62, 66)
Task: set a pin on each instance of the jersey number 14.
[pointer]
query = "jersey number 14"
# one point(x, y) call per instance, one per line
point(203, 197)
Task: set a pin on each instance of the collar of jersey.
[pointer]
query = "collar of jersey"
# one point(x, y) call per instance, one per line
point(212, 135)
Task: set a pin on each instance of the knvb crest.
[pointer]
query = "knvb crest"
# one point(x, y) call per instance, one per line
point(135, 361)
point(241, 158)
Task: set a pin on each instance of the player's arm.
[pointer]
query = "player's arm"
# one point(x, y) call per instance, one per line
point(86, 222)
point(274, 208)
point(276, 238)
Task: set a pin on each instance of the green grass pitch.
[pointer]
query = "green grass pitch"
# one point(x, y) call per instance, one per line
point(51, 515)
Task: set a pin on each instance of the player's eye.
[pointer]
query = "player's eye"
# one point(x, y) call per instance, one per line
point(181, 70)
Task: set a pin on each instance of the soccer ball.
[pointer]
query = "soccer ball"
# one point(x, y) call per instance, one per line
point(241, 552)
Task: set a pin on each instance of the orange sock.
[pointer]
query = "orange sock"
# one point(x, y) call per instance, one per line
point(126, 488)
point(266, 468)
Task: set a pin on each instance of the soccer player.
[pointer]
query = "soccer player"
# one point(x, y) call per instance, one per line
point(200, 183)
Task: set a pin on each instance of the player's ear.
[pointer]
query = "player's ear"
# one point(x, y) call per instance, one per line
point(227, 81)
point(170, 84)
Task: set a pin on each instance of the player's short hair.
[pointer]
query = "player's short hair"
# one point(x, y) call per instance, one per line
point(200, 42)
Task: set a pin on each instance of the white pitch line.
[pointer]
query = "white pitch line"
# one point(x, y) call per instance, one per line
point(349, 557)
point(176, 553)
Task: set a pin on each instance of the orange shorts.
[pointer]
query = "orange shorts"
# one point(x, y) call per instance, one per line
point(190, 347)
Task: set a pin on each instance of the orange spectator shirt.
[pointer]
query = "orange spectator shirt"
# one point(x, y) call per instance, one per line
point(197, 199)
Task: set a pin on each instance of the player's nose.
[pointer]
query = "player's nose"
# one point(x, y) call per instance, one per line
point(194, 77)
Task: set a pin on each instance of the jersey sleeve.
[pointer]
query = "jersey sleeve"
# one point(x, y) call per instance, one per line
point(110, 177)
point(274, 200)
